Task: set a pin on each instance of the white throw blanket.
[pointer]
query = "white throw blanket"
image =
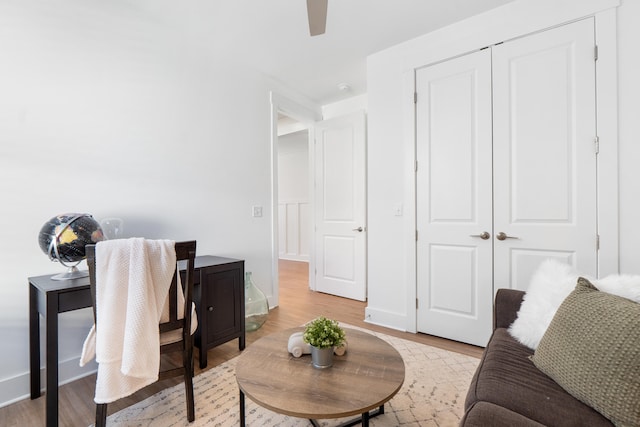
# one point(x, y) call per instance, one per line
point(133, 277)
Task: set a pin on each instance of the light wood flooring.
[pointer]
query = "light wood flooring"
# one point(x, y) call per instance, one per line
point(297, 305)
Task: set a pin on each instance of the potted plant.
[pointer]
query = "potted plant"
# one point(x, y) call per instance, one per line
point(323, 335)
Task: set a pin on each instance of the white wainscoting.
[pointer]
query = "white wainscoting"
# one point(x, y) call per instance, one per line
point(294, 228)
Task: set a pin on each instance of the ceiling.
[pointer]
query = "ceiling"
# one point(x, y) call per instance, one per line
point(273, 35)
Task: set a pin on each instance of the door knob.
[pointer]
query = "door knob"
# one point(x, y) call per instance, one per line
point(503, 236)
point(484, 235)
point(359, 229)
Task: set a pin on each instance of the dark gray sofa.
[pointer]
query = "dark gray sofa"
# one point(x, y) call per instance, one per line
point(508, 390)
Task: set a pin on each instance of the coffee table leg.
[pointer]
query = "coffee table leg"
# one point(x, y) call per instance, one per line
point(242, 420)
point(365, 419)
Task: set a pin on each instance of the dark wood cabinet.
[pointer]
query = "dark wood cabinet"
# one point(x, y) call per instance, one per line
point(219, 298)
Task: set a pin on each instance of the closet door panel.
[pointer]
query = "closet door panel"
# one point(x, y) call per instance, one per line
point(454, 263)
point(544, 156)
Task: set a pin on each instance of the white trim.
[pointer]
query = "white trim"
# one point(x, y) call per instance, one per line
point(513, 20)
point(387, 319)
point(17, 388)
point(607, 129)
point(410, 225)
point(312, 207)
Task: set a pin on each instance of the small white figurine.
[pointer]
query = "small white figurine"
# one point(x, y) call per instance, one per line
point(297, 347)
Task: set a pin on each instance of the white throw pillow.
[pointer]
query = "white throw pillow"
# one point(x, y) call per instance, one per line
point(549, 286)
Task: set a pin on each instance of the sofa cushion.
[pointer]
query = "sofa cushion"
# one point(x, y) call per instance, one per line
point(592, 349)
point(483, 414)
point(508, 378)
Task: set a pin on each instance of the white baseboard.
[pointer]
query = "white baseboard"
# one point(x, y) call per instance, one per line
point(19, 387)
point(385, 318)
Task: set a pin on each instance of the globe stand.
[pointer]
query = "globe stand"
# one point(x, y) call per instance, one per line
point(71, 273)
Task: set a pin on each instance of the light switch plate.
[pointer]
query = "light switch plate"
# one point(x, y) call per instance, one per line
point(256, 211)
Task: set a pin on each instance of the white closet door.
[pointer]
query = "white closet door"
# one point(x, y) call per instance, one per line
point(544, 127)
point(454, 201)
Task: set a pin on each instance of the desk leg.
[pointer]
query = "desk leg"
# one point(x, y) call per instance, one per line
point(34, 342)
point(52, 361)
point(242, 414)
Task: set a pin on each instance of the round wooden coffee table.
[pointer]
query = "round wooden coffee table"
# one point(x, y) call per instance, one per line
point(367, 376)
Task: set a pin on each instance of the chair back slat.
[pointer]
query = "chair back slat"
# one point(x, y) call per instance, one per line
point(90, 252)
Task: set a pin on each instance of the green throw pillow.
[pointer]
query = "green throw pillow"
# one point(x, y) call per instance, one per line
point(592, 350)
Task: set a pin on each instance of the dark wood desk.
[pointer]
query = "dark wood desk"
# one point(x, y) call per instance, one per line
point(50, 297)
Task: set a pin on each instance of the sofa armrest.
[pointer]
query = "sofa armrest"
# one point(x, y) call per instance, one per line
point(505, 309)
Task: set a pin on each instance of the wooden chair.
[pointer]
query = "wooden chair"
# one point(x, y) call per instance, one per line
point(185, 251)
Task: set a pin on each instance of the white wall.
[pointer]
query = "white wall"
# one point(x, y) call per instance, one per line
point(293, 195)
point(108, 111)
point(391, 271)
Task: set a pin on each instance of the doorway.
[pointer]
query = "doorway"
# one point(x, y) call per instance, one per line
point(294, 226)
point(336, 210)
point(293, 189)
point(288, 116)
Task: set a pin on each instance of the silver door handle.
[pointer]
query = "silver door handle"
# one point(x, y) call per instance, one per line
point(359, 229)
point(503, 236)
point(484, 235)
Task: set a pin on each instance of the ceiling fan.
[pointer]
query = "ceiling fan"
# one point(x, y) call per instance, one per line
point(317, 12)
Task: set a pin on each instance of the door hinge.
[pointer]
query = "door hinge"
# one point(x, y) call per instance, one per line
point(595, 53)
point(596, 141)
point(597, 242)
point(417, 305)
point(415, 97)
point(415, 166)
point(416, 235)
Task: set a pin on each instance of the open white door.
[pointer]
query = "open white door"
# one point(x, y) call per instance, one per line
point(340, 207)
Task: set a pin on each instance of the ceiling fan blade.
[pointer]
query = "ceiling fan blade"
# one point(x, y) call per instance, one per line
point(317, 12)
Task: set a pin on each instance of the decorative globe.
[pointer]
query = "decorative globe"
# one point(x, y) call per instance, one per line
point(64, 237)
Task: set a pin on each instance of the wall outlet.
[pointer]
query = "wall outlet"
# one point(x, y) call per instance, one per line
point(397, 210)
point(256, 211)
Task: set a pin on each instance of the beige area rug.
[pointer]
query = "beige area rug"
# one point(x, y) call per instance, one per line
point(433, 393)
